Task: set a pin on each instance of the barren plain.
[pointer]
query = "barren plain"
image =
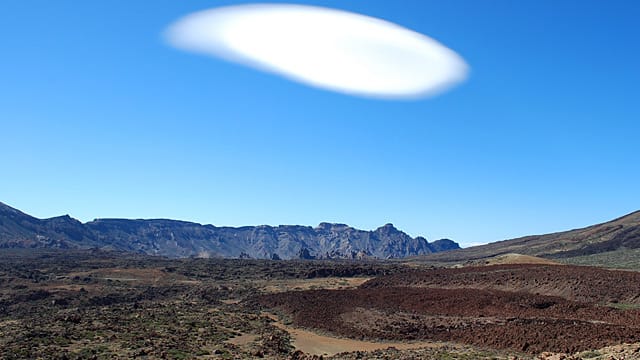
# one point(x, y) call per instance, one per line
point(104, 305)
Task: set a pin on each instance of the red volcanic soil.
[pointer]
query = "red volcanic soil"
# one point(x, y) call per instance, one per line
point(519, 320)
point(580, 283)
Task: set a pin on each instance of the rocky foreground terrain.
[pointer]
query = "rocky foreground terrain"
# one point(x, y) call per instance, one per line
point(172, 238)
point(70, 304)
point(569, 309)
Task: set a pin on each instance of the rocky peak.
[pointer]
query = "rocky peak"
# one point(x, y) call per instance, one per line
point(63, 219)
point(388, 229)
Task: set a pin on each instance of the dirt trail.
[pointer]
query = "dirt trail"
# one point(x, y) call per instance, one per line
point(243, 339)
point(315, 344)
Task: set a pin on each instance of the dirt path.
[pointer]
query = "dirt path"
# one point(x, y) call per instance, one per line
point(243, 339)
point(315, 344)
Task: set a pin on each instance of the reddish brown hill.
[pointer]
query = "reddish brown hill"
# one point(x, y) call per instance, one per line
point(496, 319)
point(531, 308)
point(586, 284)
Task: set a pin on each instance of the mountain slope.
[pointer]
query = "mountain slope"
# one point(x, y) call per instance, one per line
point(174, 238)
point(18, 229)
point(618, 234)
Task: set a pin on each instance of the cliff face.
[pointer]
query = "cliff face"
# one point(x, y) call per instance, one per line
point(326, 241)
point(174, 238)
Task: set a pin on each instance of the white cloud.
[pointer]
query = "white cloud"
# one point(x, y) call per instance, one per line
point(322, 47)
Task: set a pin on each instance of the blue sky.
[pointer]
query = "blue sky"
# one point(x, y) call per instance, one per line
point(100, 118)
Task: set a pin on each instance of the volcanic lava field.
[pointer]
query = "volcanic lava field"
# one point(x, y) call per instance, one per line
point(101, 305)
point(529, 308)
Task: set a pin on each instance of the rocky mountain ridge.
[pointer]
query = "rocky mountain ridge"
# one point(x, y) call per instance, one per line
point(621, 234)
point(173, 238)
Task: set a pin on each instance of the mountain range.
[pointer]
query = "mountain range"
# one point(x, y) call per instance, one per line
point(173, 238)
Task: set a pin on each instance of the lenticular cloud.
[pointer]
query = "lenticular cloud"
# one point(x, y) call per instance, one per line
point(325, 48)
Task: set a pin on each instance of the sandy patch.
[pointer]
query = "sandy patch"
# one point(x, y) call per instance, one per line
point(316, 344)
point(518, 259)
point(316, 283)
point(243, 339)
point(230, 301)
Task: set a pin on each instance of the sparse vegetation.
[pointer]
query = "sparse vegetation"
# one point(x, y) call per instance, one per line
point(100, 305)
point(619, 259)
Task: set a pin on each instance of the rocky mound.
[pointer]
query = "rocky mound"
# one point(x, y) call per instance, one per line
point(500, 320)
point(578, 283)
point(531, 308)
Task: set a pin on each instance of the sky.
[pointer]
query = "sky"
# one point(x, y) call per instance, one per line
point(100, 117)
